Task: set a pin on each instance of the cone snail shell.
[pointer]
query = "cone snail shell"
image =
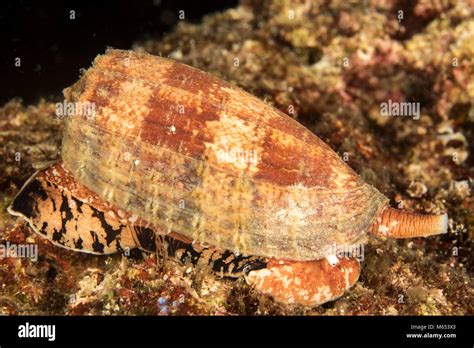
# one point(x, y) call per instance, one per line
point(195, 156)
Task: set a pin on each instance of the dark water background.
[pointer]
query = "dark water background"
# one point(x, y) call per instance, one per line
point(53, 48)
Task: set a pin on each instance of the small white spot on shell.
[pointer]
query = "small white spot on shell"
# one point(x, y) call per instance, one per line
point(332, 259)
point(383, 230)
point(393, 223)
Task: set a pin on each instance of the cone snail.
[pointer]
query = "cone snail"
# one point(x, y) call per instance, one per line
point(175, 160)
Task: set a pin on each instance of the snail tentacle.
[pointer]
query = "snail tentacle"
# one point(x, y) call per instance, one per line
point(396, 223)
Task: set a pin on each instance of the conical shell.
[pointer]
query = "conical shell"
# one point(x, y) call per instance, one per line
point(192, 154)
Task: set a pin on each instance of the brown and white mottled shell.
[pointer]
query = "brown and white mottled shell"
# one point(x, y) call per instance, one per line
point(194, 155)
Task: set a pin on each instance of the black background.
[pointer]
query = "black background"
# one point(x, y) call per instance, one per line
point(243, 331)
point(53, 48)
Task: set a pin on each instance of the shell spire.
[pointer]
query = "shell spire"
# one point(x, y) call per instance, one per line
point(396, 223)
